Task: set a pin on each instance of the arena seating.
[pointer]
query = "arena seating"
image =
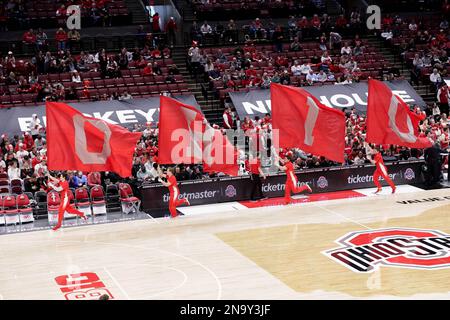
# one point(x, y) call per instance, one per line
point(128, 201)
point(98, 201)
point(113, 198)
point(24, 208)
point(43, 13)
point(132, 80)
point(9, 211)
point(405, 42)
point(371, 64)
point(82, 201)
point(243, 9)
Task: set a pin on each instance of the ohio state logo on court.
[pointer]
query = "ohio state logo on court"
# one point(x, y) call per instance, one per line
point(409, 174)
point(322, 182)
point(230, 191)
point(365, 251)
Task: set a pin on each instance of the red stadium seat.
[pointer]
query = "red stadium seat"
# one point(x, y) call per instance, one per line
point(129, 202)
point(82, 200)
point(10, 211)
point(25, 210)
point(98, 200)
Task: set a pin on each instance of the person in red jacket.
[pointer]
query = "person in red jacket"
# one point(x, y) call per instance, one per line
point(171, 29)
point(291, 179)
point(62, 186)
point(61, 39)
point(377, 160)
point(172, 184)
point(94, 179)
point(148, 70)
point(155, 23)
point(29, 37)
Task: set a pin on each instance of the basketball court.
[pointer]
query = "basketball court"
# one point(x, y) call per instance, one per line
point(228, 251)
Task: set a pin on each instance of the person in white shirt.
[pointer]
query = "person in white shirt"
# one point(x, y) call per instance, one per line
point(322, 76)
point(296, 69)
point(148, 130)
point(2, 165)
point(43, 150)
point(41, 168)
point(126, 96)
point(205, 28)
point(346, 49)
point(435, 77)
point(76, 77)
point(326, 58)
point(311, 77)
point(436, 111)
point(13, 171)
point(359, 159)
point(347, 80)
point(387, 35)
point(305, 68)
point(21, 153)
point(413, 26)
point(35, 126)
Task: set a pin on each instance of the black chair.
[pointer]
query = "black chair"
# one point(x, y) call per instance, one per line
point(112, 198)
point(41, 202)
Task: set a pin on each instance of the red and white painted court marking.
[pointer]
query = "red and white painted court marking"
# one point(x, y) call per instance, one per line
point(298, 199)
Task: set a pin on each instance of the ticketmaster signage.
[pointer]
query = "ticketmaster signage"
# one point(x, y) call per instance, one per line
point(155, 197)
point(257, 102)
point(126, 113)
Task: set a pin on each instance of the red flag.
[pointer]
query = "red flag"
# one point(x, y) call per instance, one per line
point(389, 120)
point(186, 137)
point(303, 122)
point(77, 142)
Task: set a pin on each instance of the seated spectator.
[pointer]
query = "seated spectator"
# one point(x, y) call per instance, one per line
point(323, 42)
point(206, 29)
point(71, 94)
point(156, 53)
point(346, 49)
point(80, 179)
point(214, 74)
point(295, 45)
point(148, 70)
point(29, 38)
point(173, 70)
point(435, 78)
point(221, 57)
point(305, 68)
point(209, 65)
point(126, 96)
point(311, 77)
point(285, 78)
point(76, 77)
point(167, 53)
point(94, 178)
point(13, 171)
point(321, 76)
point(156, 69)
point(358, 50)
point(296, 69)
point(360, 159)
point(73, 37)
point(41, 40)
point(112, 68)
point(341, 23)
